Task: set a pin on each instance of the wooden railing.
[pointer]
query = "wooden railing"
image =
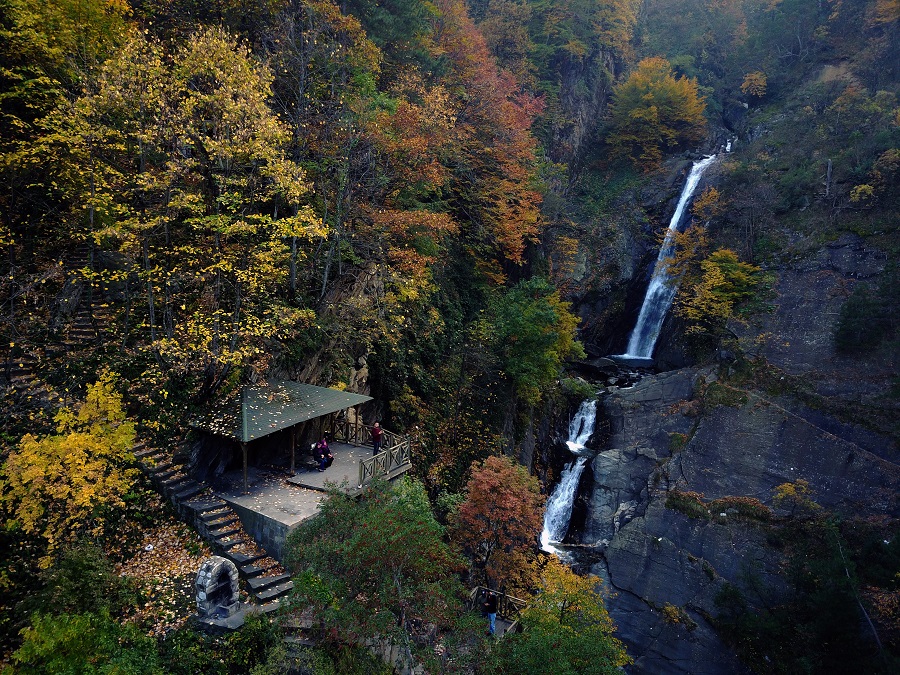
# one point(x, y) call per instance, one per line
point(343, 431)
point(395, 449)
point(396, 456)
point(508, 606)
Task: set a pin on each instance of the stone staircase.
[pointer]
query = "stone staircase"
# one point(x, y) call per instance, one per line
point(23, 393)
point(265, 580)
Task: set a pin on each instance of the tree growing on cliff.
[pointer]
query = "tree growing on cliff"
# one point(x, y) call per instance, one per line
point(535, 332)
point(717, 291)
point(567, 630)
point(652, 112)
point(499, 520)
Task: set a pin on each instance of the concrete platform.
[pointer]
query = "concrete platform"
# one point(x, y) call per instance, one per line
point(343, 471)
point(277, 502)
point(271, 508)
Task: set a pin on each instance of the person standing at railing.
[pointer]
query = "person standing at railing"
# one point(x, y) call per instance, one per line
point(377, 435)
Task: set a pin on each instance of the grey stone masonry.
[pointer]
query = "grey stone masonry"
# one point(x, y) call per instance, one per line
point(217, 588)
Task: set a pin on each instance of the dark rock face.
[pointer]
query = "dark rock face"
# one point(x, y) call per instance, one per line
point(639, 439)
point(655, 557)
point(798, 336)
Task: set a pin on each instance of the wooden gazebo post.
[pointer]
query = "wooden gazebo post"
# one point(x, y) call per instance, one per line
point(293, 448)
point(244, 435)
point(246, 486)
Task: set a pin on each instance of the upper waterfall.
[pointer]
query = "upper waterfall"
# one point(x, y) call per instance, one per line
point(661, 291)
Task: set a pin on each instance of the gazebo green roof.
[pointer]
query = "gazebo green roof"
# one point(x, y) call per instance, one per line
point(261, 410)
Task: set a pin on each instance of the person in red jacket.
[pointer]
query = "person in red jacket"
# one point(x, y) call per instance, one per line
point(377, 435)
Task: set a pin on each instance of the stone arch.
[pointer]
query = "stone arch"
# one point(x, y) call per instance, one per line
point(217, 588)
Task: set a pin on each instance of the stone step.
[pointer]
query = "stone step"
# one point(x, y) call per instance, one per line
point(268, 607)
point(157, 470)
point(225, 531)
point(173, 486)
point(190, 492)
point(144, 451)
point(214, 514)
point(152, 461)
point(220, 519)
point(228, 542)
point(250, 571)
point(261, 583)
point(242, 559)
point(202, 507)
point(165, 473)
point(275, 592)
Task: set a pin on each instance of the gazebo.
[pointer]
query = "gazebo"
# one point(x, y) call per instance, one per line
point(264, 409)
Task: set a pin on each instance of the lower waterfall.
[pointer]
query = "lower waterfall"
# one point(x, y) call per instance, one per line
point(559, 506)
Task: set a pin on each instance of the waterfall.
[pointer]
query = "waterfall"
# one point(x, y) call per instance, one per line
point(660, 292)
point(559, 506)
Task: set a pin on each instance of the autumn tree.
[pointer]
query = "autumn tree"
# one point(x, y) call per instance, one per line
point(369, 566)
point(57, 486)
point(754, 84)
point(180, 164)
point(499, 521)
point(566, 629)
point(495, 165)
point(723, 285)
point(653, 112)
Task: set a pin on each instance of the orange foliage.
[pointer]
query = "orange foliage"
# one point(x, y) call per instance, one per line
point(502, 514)
point(496, 155)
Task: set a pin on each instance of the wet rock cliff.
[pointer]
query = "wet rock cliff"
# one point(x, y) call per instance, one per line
point(733, 431)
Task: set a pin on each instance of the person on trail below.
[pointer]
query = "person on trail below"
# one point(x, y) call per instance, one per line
point(490, 607)
point(377, 434)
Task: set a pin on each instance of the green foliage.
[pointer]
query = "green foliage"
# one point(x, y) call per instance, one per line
point(722, 394)
point(818, 626)
point(367, 567)
point(82, 580)
point(396, 26)
point(257, 648)
point(84, 644)
point(653, 111)
point(535, 332)
point(865, 320)
point(566, 630)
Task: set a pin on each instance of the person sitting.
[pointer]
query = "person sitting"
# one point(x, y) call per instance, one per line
point(323, 454)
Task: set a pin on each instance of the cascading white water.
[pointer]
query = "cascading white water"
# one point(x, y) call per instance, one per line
point(559, 506)
point(660, 292)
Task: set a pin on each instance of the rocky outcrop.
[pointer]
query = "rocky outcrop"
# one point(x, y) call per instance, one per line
point(798, 336)
point(640, 425)
point(663, 568)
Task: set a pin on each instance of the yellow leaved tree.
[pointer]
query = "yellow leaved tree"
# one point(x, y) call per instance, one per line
point(56, 487)
point(652, 112)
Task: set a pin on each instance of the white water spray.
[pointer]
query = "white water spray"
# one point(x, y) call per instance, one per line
point(559, 506)
point(660, 292)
